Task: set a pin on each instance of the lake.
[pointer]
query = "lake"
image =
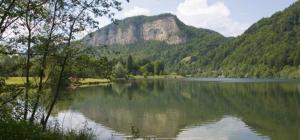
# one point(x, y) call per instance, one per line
point(187, 109)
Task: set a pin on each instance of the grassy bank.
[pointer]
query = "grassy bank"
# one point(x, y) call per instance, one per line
point(93, 81)
point(157, 77)
point(20, 81)
point(20, 130)
point(99, 81)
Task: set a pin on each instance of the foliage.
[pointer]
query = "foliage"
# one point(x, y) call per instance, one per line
point(268, 49)
point(10, 65)
point(119, 72)
point(17, 130)
point(158, 68)
point(85, 66)
point(129, 64)
point(40, 45)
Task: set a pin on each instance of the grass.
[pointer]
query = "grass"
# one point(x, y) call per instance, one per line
point(20, 130)
point(18, 81)
point(157, 77)
point(93, 80)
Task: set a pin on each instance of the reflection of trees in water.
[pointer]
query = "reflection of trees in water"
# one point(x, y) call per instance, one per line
point(163, 107)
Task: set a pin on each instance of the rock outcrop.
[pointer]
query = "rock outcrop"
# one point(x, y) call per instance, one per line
point(165, 27)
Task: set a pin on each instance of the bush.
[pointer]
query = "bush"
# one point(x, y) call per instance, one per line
point(19, 130)
point(119, 72)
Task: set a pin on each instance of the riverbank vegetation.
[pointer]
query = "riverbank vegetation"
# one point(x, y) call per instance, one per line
point(86, 70)
point(39, 56)
point(11, 129)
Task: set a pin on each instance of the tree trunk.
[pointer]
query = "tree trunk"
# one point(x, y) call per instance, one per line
point(45, 121)
point(27, 75)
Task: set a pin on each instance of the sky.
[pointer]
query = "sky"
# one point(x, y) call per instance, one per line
point(228, 17)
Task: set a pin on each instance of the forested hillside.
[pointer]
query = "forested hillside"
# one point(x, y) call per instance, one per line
point(269, 48)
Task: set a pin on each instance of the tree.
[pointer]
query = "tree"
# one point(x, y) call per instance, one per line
point(103, 68)
point(30, 21)
point(47, 30)
point(78, 15)
point(147, 69)
point(129, 64)
point(119, 72)
point(158, 67)
point(51, 22)
point(296, 61)
point(10, 12)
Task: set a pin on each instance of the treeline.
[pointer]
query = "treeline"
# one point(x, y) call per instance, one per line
point(144, 67)
point(88, 66)
point(130, 66)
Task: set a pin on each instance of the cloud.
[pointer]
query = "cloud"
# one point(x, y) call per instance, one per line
point(103, 21)
point(215, 16)
point(136, 11)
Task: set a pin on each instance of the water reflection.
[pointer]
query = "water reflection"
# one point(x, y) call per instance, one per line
point(228, 128)
point(263, 110)
point(70, 120)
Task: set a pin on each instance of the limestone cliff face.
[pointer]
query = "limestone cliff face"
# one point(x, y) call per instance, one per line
point(163, 30)
point(142, 28)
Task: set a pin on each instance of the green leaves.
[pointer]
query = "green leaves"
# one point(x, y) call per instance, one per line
point(119, 72)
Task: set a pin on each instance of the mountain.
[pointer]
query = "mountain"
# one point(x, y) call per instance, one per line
point(164, 27)
point(269, 48)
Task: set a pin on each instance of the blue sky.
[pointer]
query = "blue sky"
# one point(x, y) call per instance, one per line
point(229, 17)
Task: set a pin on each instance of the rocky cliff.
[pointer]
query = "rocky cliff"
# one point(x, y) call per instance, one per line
point(165, 27)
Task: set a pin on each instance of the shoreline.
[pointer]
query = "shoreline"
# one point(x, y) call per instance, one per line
point(83, 82)
point(136, 77)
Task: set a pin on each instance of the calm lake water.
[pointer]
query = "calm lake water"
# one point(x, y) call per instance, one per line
point(187, 109)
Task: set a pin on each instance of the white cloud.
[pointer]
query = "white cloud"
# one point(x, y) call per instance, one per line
point(136, 11)
point(215, 17)
point(103, 21)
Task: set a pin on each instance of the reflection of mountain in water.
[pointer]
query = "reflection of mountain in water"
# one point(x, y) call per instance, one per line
point(228, 128)
point(163, 108)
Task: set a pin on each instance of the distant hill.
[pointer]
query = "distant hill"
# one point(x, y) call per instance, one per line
point(269, 48)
